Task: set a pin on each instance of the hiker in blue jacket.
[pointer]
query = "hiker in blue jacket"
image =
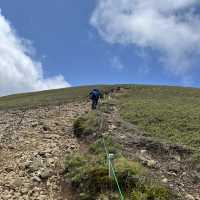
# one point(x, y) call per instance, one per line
point(94, 95)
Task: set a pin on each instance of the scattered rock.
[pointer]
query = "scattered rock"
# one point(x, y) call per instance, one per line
point(195, 176)
point(151, 163)
point(189, 197)
point(165, 180)
point(24, 190)
point(35, 124)
point(42, 154)
point(8, 169)
point(146, 160)
point(45, 173)
point(143, 152)
point(174, 167)
point(15, 183)
point(177, 158)
point(35, 165)
point(27, 170)
point(36, 178)
point(46, 128)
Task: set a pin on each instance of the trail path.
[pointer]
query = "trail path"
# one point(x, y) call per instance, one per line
point(33, 145)
point(32, 150)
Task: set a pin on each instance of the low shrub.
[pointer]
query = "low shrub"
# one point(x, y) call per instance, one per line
point(98, 147)
point(89, 176)
point(107, 106)
point(90, 123)
point(152, 192)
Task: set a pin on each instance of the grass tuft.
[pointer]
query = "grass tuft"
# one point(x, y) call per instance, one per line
point(89, 176)
point(97, 146)
point(89, 124)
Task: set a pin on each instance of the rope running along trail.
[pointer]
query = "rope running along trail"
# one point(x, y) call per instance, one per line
point(110, 163)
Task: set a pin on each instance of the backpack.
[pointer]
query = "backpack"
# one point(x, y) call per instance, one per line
point(94, 95)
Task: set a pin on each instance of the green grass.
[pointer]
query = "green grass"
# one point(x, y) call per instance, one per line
point(89, 177)
point(168, 113)
point(154, 191)
point(89, 124)
point(112, 147)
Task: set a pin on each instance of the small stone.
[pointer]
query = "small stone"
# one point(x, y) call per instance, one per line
point(36, 179)
point(57, 123)
point(27, 185)
point(43, 197)
point(165, 180)
point(46, 128)
point(42, 154)
point(25, 165)
point(178, 158)
point(24, 190)
point(174, 167)
point(195, 176)
point(189, 197)
point(143, 151)
point(9, 169)
point(16, 183)
point(151, 163)
point(35, 165)
point(50, 160)
point(34, 124)
point(45, 173)
point(8, 196)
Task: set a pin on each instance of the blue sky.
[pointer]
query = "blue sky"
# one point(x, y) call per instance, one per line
point(85, 43)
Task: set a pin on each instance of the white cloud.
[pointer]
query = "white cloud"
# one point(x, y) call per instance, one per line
point(18, 71)
point(170, 26)
point(116, 63)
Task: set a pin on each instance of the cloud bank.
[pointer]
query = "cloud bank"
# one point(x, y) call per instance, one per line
point(116, 63)
point(18, 71)
point(171, 27)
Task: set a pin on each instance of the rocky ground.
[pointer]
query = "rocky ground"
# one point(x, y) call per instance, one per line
point(33, 145)
point(34, 142)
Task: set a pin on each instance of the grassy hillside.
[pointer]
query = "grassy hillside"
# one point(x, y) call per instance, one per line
point(168, 113)
point(47, 97)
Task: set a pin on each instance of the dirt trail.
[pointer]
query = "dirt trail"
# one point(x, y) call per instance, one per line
point(33, 145)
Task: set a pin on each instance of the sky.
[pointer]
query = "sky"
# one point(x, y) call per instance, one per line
point(55, 44)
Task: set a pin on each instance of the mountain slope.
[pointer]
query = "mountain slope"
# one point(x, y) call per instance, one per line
point(156, 125)
point(49, 97)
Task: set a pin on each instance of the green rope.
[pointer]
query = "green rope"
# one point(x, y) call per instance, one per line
point(113, 171)
point(116, 180)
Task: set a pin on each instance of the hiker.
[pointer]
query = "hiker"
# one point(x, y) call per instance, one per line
point(94, 95)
